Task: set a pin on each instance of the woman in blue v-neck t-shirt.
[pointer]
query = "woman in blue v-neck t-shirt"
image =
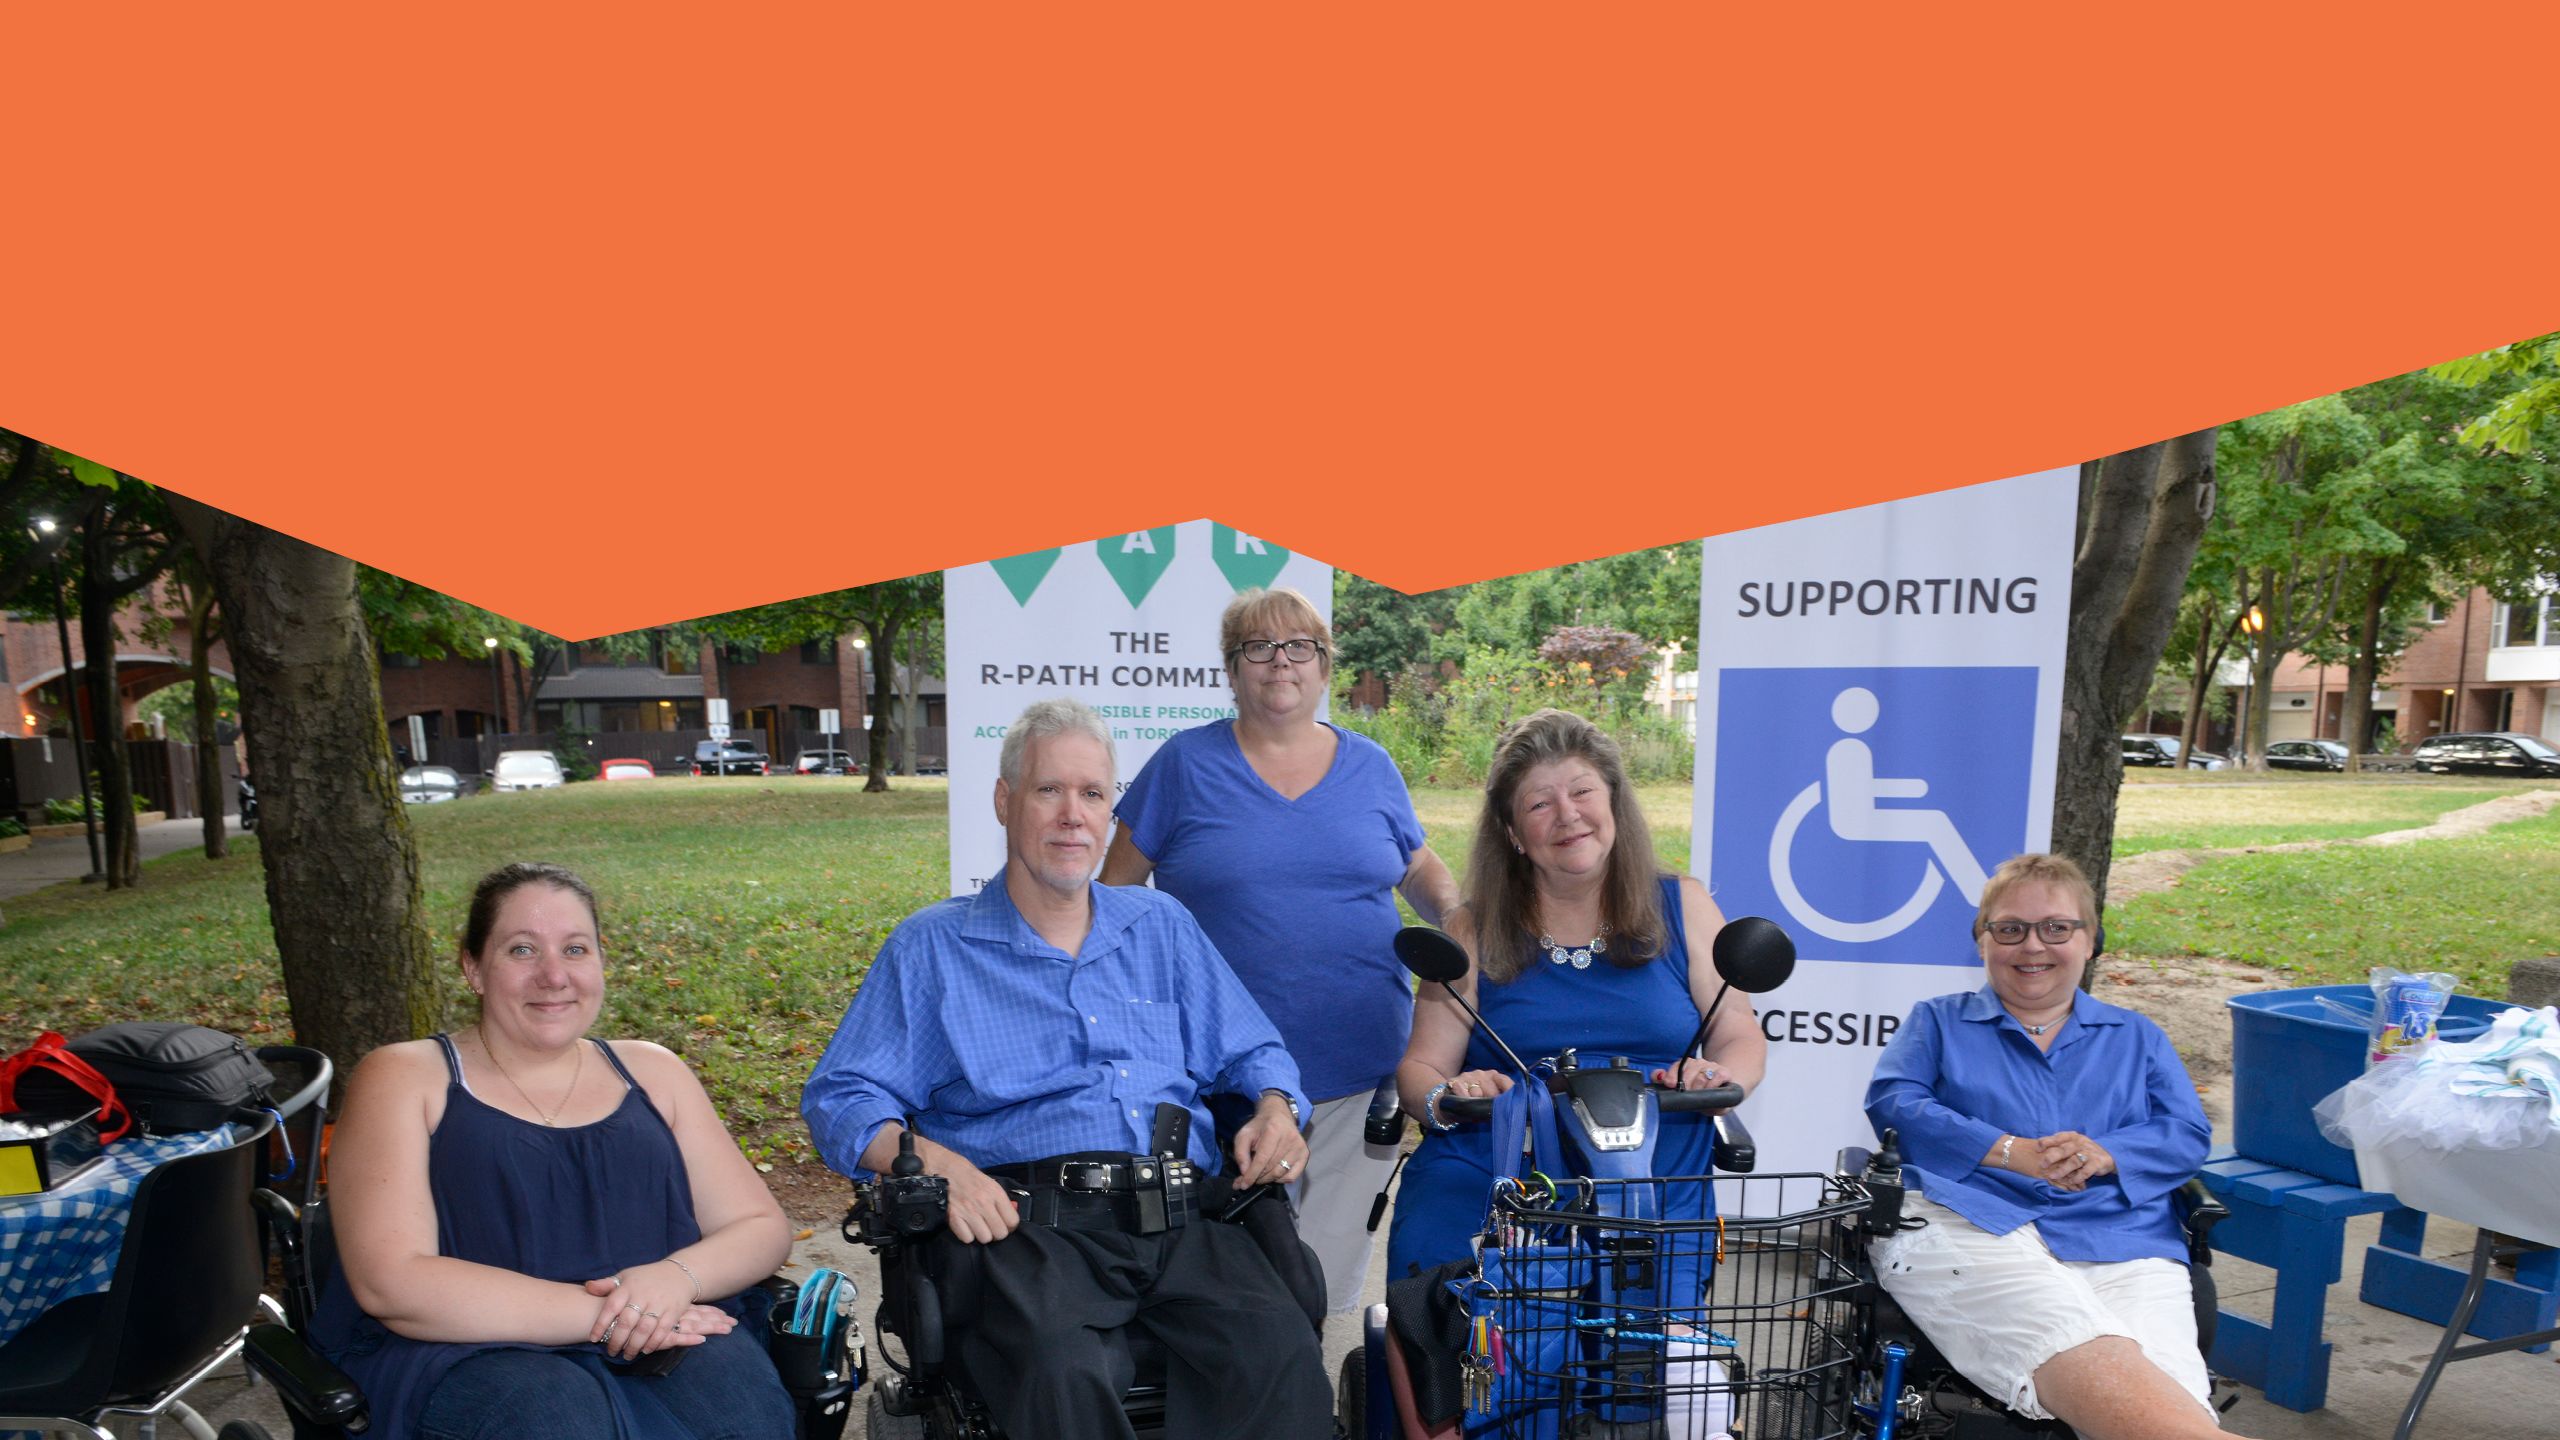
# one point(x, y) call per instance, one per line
point(1288, 839)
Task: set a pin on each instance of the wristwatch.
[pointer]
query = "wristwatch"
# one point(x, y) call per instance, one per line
point(1295, 1118)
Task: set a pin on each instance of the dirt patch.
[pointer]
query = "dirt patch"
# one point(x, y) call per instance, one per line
point(811, 1195)
point(2185, 995)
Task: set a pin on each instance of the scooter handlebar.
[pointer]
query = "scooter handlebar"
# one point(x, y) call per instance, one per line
point(1458, 1108)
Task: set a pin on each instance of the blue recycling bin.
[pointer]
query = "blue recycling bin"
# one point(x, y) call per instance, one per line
point(2290, 1051)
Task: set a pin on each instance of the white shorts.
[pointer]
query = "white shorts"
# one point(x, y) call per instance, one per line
point(2000, 1306)
point(1344, 1175)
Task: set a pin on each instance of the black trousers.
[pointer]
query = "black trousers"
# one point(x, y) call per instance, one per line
point(1046, 1345)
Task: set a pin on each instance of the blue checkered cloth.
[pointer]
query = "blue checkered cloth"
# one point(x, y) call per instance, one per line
point(63, 1243)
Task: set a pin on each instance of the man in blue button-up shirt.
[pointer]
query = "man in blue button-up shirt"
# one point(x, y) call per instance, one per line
point(1048, 1016)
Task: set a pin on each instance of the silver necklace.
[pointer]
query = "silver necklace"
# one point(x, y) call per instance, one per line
point(2040, 1029)
point(1577, 956)
point(550, 1117)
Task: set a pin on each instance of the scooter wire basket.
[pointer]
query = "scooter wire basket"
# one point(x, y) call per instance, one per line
point(1630, 1308)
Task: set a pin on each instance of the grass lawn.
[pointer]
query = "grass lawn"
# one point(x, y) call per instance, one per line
point(2471, 907)
point(2221, 810)
point(738, 915)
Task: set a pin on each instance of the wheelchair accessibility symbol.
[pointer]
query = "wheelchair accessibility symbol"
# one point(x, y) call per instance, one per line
point(1848, 794)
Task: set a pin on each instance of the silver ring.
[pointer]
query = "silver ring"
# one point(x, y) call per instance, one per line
point(1288, 1165)
point(648, 1314)
point(617, 1282)
point(632, 1310)
point(2082, 1157)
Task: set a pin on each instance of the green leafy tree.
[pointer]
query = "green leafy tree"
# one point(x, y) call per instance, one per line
point(1383, 632)
point(2522, 385)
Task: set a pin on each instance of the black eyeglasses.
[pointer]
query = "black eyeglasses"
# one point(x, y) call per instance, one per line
point(1262, 652)
point(2051, 932)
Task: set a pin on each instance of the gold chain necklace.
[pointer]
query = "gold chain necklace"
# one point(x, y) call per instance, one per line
point(550, 1117)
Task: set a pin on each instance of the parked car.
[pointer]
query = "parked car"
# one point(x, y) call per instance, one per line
point(248, 804)
point(2488, 753)
point(730, 757)
point(626, 769)
point(827, 762)
point(529, 770)
point(430, 784)
point(2162, 751)
point(2307, 755)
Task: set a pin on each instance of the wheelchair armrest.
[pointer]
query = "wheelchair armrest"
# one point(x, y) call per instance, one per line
point(1852, 1160)
point(2198, 1212)
point(1734, 1152)
point(311, 1387)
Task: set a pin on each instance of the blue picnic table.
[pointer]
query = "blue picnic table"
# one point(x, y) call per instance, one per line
point(2296, 1225)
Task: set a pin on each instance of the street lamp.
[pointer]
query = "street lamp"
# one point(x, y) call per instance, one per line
point(71, 701)
point(497, 697)
point(2255, 622)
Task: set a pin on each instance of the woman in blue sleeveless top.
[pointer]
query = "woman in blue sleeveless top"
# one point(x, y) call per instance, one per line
point(1580, 941)
point(520, 1209)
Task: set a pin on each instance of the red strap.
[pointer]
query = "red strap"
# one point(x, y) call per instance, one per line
point(50, 1052)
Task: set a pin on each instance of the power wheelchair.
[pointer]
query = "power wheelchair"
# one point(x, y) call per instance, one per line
point(1900, 1377)
point(929, 1288)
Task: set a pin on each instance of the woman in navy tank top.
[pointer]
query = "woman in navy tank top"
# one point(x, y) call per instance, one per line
point(521, 1210)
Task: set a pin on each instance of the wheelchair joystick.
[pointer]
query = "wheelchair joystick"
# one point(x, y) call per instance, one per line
point(905, 1202)
point(1883, 1183)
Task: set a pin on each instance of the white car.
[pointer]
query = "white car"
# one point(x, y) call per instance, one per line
point(429, 784)
point(529, 770)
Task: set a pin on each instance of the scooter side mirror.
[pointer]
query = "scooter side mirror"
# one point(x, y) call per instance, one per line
point(1431, 955)
point(1752, 954)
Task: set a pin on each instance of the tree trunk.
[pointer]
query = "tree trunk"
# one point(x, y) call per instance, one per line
point(217, 842)
point(884, 694)
point(2192, 735)
point(2355, 715)
point(2142, 514)
point(911, 713)
point(343, 892)
point(106, 709)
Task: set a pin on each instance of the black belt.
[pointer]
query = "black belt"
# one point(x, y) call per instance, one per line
point(1092, 1173)
point(1132, 1194)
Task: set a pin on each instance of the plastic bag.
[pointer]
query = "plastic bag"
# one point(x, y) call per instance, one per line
point(2498, 1092)
point(2406, 1008)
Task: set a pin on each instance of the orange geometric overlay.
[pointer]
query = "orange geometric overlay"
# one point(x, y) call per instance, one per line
point(604, 315)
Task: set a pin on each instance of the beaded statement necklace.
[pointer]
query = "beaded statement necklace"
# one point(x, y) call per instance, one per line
point(1577, 956)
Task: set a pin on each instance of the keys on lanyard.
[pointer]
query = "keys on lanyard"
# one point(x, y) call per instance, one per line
point(1487, 1359)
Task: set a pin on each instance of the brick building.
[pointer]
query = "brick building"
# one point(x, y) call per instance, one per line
point(2478, 664)
point(651, 708)
point(31, 666)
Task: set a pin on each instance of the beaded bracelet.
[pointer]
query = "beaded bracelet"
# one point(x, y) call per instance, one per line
point(1431, 1109)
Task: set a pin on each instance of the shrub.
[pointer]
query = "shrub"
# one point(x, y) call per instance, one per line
point(11, 827)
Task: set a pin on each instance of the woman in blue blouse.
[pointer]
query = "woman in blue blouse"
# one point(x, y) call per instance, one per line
point(1288, 840)
point(2044, 1131)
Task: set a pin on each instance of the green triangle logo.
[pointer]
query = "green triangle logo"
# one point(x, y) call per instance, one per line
point(1137, 560)
point(1247, 563)
point(1022, 574)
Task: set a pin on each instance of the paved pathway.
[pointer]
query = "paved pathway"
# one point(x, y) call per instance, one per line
point(55, 859)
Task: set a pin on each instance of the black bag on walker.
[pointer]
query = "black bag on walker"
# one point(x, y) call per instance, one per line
point(173, 1077)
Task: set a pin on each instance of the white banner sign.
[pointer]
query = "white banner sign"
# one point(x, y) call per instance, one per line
point(1128, 624)
point(1878, 717)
